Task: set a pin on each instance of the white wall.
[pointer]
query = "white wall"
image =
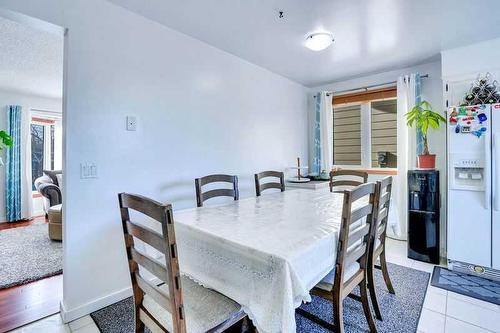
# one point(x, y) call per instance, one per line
point(199, 110)
point(472, 59)
point(461, 66)
point(27, 102)
point(431, 91)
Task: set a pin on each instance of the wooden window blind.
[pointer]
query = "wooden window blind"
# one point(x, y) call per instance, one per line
point(347, 135)
point(384, 131)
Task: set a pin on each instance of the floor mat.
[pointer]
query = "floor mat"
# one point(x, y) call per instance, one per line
point(466, 284)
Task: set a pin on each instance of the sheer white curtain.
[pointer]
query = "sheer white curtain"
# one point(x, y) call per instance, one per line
point(406, 142)
point(326, 130)
point(321, 134)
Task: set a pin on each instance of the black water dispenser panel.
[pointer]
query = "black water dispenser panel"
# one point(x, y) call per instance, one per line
point(423, 215)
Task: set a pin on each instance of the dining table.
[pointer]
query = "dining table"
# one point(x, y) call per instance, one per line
point(266, 252)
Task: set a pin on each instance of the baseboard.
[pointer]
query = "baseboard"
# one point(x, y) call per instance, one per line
point(69, 315)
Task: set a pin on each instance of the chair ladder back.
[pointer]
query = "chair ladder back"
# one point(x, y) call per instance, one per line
point(358, 177)
point(168, 272)
point(224, 192)
point(382, 210)
point(259, 187)
point(354, 240)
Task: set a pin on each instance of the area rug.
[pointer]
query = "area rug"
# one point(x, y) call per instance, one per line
point(466, 284)
point(401, 311)
point(27, 254)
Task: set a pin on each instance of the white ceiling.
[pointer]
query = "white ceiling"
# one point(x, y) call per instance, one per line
point(31, 61)
point(370, 35)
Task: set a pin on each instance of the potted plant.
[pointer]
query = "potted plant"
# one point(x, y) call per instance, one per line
point(423, 117)
point(5, 142)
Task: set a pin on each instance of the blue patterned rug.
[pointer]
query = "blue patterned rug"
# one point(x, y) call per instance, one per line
point(466, 284)
point(401, 311)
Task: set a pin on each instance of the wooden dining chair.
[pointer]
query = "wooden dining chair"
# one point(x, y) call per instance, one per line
point(352, 259)
point(348, 178)
point(264, 186)
point(221, 192)
point(178, 304)
point(381, 216)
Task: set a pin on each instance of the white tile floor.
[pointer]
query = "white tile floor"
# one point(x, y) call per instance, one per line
point(54, 324)
point(446, 311)
point(443, 312)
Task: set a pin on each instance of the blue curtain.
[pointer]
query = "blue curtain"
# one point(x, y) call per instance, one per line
point(316, 160)
point(418, 91)
point(13, 165)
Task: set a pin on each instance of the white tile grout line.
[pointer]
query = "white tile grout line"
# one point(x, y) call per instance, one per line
point(445, 310)
point(466, 322)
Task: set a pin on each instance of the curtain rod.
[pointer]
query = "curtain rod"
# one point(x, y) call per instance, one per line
point(367, 87)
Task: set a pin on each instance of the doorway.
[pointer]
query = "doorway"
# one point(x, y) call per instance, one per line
point(31, 188)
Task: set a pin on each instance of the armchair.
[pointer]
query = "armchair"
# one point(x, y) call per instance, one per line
point(49, 186)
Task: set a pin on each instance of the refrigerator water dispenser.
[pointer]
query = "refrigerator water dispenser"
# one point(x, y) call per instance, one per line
point(467, 173)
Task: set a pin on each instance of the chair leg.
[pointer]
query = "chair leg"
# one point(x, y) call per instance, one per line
point(366, 306)
point(371, 288)
point(385, 272)
point(338, 313)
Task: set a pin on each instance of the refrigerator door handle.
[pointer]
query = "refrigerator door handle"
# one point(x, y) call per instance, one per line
point(496, 172)
point(487, 171)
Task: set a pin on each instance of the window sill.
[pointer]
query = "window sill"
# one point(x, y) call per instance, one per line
point(370, 171)
point(381, 171)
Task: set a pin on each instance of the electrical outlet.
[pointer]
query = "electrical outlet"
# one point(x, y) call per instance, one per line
point(88, 170)
point(131, 123)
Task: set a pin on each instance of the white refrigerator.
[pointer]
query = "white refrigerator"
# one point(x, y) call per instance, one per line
point(473, 202)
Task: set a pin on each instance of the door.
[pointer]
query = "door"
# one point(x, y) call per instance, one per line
point(469, 188)
point(495, 223)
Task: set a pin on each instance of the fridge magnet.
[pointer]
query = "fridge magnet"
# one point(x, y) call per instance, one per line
point(482, 117)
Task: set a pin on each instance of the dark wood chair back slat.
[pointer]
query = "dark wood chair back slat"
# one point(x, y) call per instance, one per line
point(358, 235)
point(259, 187)
point(146, 235)
point(203, 196)
point(361, 212)
point(350, 178)
point(167, 271)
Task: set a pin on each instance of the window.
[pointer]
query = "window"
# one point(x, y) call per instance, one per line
point(42, 147)
point(384, 133)
point(365, 129)
point(347, 135)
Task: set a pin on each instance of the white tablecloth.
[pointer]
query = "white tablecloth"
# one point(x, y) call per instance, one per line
point(266, 253)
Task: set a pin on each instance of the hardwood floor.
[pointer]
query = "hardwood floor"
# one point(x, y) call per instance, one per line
point(21, 305)
point(11, 225)
point(24, 304)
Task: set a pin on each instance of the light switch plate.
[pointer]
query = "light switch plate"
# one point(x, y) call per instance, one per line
point(88, 170)
point(131, 123)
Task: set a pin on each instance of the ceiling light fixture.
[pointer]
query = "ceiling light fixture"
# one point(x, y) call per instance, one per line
point(319, 41)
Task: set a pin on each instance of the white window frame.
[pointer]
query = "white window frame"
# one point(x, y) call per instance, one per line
point(46, 140)
point(366, 134)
